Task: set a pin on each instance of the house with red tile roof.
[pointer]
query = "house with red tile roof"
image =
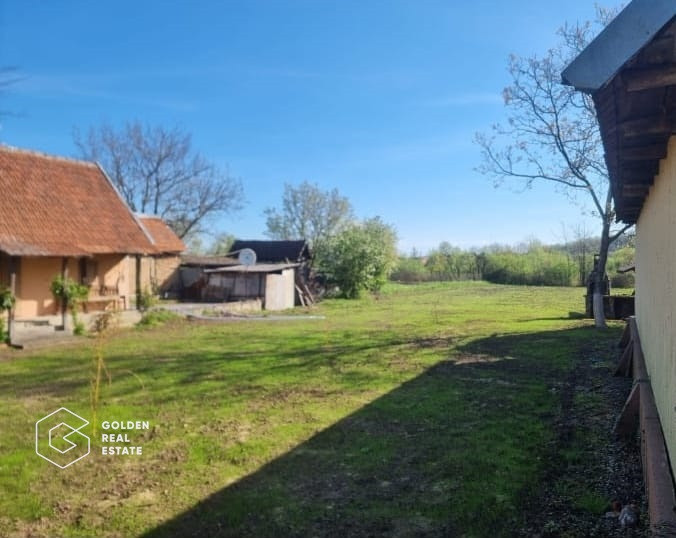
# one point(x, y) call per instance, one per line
point(62, 216)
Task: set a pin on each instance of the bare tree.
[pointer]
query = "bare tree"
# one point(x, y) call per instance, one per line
point(308, 213)
point(158, 172)
point(552, 135)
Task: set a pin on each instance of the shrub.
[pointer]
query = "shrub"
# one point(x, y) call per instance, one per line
point(361, 257)
point(71, 294)
point(622, 280)
point(154, 318)
point(410, 270)
point(537, 267)
point(7, 301)
point(146, 300)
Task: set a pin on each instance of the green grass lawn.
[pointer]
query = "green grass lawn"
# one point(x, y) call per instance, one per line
point(426, 410)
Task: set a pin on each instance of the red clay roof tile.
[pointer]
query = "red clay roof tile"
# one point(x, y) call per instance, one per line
point(52, 206)
point(164, 238)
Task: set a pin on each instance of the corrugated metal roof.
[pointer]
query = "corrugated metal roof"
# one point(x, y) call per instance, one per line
point(257, 268)
point(207, 261)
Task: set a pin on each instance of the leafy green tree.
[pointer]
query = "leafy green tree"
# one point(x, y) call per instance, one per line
point(620, 259)
point(221, 245)
point(310, 213)
point(360, 257)
point(538, 266)
point(410, 269)
point(452, 263)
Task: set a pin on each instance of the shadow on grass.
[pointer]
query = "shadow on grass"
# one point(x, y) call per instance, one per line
point(450, 452)
point(571, 315)
point(59, 377)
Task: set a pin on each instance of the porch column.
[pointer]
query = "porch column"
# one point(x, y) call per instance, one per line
point(64, 276)
point(138, 281)
point(12, 288)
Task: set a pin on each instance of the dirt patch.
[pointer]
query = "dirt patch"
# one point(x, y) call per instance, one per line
point(435, 343)
point(587, 467)
point(479, 359)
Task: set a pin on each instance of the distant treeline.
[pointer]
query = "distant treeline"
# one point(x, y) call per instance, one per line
point(531, 263)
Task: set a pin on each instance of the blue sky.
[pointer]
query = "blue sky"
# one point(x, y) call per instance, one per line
point(379, 99)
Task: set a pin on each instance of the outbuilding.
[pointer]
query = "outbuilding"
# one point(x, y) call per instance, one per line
point(630, 72)
point(274, 284)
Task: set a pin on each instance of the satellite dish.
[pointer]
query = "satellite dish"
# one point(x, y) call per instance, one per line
point(247, 257)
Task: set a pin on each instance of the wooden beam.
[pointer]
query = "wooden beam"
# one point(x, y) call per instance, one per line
point(639, 369)
point(644, 153)
point(627, 422)
point(635, 190)
point(626, 336)
point(300, 295)
point(656, 471)
point(138, 282)
point(630, 204)
point(659, 51)
point(659, 487)
point(649, 78)
point(628, 214)
point(624, 366)
point(658, 124)
point(12, 274)
point(641, 169)
point(64, 275)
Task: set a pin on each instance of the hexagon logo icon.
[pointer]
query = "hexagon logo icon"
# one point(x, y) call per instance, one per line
point(58, 438)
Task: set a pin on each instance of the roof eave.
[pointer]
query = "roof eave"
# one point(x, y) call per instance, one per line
point(626, 34)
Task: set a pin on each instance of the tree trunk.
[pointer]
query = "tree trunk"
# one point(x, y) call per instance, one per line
point(597, 301)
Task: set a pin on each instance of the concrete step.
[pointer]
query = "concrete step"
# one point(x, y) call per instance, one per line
point(35, 339)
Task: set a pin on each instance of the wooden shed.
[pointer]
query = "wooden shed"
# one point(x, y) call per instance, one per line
point(272, 283)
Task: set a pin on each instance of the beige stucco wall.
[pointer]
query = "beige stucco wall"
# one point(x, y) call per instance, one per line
point(157, 274)
point(656, 291)
point(35, 275)
point(147, 271)
point(33, 294)
point(166, 273)
point(112, 271)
